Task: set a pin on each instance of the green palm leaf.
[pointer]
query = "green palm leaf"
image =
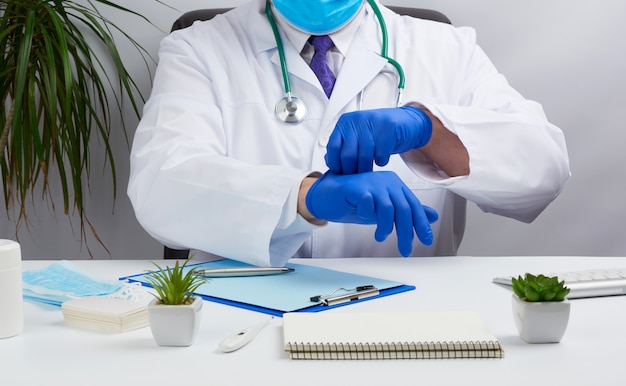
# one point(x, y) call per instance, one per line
point(55, 94)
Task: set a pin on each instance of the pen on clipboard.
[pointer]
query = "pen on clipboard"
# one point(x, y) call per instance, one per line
point(360, 292)
point(243, 271)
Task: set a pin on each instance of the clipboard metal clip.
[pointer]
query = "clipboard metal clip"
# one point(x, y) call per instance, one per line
point(348, 295)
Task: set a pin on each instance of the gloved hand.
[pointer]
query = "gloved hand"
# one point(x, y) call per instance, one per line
point(373, 198)
point(363, 137)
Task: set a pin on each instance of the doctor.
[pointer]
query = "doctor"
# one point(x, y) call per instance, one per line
point(243, 152)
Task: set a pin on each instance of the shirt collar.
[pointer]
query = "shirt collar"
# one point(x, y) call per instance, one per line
point(342, 38)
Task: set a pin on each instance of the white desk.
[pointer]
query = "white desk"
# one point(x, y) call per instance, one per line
point(591, 352)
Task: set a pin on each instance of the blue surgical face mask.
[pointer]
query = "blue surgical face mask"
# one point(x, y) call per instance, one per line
point(63, 281)
point(318, 17)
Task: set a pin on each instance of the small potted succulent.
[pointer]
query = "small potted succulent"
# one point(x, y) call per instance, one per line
point(174, 314)
point(540, 309)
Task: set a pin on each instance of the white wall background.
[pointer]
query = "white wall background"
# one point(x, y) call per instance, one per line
point(567, 54)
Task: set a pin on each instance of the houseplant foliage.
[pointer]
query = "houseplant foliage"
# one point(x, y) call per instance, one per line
point(540, 308)
point(56, 90)
point(539, 288)
point(174, 286)
point(175, 314)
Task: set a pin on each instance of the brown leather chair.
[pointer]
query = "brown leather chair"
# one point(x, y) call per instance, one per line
point(188, 18)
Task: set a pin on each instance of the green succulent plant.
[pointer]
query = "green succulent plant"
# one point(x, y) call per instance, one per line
point(539, 288)
point(175, 286)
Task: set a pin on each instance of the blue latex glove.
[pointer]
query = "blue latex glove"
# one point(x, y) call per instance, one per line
point(373, 198)
point(363, 137)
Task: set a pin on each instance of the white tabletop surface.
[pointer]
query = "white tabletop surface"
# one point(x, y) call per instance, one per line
point(591, 353)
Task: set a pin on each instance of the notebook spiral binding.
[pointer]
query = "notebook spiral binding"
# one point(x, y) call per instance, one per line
point(429, 350)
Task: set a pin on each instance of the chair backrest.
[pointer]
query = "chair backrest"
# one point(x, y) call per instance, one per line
point(187, 19)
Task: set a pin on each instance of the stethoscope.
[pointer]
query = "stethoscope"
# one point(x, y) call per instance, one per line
point(291, 109)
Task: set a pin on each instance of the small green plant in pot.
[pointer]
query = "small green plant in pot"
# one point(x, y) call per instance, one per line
point(174, 286)
point(175, 312)
point(539, 288)
point(540, 308)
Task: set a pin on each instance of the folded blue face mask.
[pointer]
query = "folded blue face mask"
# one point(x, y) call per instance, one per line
point(318, 17)
point(63, 281)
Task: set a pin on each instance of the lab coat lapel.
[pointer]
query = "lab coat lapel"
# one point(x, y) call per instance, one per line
point(263, 40)
point(361, 65)
point(298, 67)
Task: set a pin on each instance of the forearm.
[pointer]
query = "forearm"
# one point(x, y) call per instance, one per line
point(504, 180)
point(445, 148)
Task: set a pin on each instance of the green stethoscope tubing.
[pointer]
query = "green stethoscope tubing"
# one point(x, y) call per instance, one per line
point(279, 46)
point(383, 53)
point(283, 61)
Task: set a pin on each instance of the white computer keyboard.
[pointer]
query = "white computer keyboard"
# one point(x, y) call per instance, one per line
point(586, 283)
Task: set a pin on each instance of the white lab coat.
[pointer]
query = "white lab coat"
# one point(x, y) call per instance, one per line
point(213, 169)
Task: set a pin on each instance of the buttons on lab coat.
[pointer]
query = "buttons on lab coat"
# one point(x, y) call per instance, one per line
point(323, 139)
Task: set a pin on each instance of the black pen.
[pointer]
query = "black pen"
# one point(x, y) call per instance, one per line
point(242, 271)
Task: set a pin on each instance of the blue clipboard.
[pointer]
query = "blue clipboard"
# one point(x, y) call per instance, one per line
point(287, 292)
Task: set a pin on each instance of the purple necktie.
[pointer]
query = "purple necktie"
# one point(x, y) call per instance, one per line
point(318, 63)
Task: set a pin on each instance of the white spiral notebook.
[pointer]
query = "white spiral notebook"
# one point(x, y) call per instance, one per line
point(388, 335)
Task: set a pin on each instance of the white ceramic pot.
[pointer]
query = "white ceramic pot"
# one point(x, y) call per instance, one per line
point(541, 322)
point(175, 325)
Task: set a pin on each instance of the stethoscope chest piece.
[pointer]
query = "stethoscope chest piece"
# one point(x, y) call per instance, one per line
point(290, 110)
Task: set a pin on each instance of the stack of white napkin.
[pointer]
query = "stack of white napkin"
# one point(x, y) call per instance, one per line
point(106, 314)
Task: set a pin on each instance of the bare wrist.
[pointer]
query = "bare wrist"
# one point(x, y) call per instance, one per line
point(445, 149)
point(303, 211)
